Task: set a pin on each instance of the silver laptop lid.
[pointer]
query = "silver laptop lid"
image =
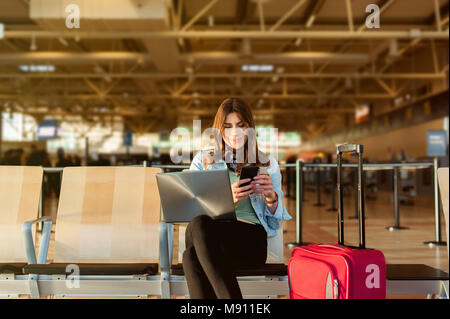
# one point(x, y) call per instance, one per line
point(185, 195)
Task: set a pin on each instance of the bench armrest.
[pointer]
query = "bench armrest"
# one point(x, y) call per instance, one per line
point(165, 246)
point(45, 239)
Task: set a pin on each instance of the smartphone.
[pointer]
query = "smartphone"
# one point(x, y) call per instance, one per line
point(248, 172)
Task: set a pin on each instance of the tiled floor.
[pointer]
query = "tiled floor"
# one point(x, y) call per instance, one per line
point(398, 246)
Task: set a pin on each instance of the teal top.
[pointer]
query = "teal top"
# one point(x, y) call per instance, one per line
point(271, 221)
point(244, 208)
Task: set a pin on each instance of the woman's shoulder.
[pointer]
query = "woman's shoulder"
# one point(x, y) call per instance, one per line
point(203, 156)
point(197, 163)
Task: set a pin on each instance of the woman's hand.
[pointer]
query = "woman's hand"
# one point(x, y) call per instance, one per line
point(262, 184)
point(239, 192)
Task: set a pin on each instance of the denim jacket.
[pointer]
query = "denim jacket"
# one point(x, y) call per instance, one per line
point(270, 222)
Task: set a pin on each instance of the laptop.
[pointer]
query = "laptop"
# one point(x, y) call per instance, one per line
point(188, 194)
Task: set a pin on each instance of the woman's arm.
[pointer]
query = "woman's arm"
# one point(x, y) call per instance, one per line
point(196, 164)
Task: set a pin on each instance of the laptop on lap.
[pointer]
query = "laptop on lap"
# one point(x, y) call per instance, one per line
point(188, 194)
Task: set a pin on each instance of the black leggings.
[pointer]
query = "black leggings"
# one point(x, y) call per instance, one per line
point(214, 250)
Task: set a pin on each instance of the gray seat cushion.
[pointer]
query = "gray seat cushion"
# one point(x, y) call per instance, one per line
point(264, 270)
point(414, 272)
point(94, 269)
point(12, 268)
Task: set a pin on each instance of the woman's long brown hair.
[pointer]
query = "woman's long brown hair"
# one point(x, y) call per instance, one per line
point(228, 106)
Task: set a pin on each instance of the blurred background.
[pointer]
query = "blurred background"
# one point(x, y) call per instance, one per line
point(109, 87)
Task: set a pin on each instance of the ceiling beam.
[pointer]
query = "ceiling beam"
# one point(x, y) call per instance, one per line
point(159, 76)
point(215, 34)
point(294, 8)
point(57, 57)
point(199, 15)
point(294, 96)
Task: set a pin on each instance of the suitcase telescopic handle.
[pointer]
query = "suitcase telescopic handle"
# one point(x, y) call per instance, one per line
point(350, 148)
point(358, 149)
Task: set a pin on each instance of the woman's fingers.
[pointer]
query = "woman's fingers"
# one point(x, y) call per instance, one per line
point(243, 181)
point(262, 177)
point(242, 195)
point(259, 185)
point(263, 191)
point(242, 189)
point(262, 180)
point(262, 188)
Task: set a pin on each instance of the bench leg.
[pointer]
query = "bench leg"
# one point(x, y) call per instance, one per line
point(34, 288)
point(165, 285)
point(443, 292)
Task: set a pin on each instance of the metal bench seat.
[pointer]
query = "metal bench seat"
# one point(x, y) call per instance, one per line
point(264, 270)
point(98, 269)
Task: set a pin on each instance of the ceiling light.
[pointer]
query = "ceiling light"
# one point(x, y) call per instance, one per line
point(393, 47)
point(37, 68)
point(211, 20)
point(98, 69)
point(298, 42)
point(189, 70)
point(246, 47)
point(33, 46)
point(257, 68)
point(63, 41)
point(310, 21)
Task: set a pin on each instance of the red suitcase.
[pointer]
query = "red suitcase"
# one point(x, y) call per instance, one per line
point(336, 271)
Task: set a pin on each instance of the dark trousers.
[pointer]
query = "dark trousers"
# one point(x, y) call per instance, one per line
point(214, 250)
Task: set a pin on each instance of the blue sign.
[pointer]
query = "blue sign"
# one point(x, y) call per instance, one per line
point(128, 138)
point(436, 143)
point(49, 129)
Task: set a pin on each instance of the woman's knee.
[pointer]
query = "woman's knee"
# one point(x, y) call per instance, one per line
point(199, 229)
point(189, 257)
point(199, 224)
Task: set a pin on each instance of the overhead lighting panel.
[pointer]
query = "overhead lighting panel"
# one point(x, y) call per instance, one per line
point(33, 46)
point(257, 67)
point(37, 68)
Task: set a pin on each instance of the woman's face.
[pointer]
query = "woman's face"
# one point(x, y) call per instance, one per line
point(235, 131)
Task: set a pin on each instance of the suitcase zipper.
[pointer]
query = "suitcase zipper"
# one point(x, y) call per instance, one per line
point(336, 289)
point(334, 283)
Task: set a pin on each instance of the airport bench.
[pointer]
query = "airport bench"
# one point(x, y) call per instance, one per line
point(20, 189)
point(106, 232)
